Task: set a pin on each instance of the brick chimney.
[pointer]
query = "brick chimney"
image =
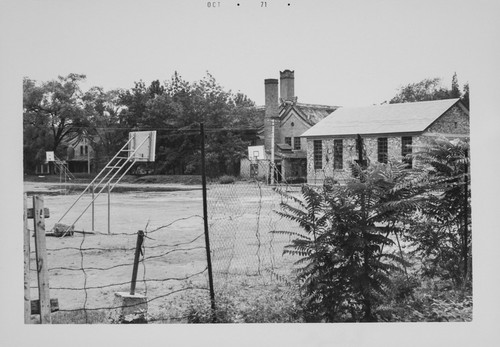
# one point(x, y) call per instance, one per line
point(287, 86)
point(271, 112)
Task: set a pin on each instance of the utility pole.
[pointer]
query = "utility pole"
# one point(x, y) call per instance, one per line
point(88, 156)
point(272, 151)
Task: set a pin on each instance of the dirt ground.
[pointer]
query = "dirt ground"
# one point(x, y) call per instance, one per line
point(87, 269)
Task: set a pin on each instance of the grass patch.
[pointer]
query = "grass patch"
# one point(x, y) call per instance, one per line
point(227, 179)
point(76, 317)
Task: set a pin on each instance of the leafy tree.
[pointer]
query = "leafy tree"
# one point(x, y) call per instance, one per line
point(430, 89)
point(427, 89)
point(52, 113)
point(465, 96)
point(134, 101)
point(105, 130)
point(175, 110)
point(455, 87)
point(345, 266)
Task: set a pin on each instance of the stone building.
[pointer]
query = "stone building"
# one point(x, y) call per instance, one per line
point(386, 132)
point(290, 120)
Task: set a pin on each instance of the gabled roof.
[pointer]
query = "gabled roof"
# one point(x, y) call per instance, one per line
point(378, 119)
point(311, 113)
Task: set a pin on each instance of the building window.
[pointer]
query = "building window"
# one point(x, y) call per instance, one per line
point(338, 151)
point(288, 141)
point(86, 150)
point(81, 150)
point(382, 149)
point(296, 143)
point(406, 142)
point(318, 154)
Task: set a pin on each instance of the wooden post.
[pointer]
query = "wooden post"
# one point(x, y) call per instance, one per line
point(27, 282)
point(138, 251)
point(41, 260)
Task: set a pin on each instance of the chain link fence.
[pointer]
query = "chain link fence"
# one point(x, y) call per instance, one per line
point(242, 216)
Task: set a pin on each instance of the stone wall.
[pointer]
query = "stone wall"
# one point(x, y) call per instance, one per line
point(349, 154)
point(454, 121)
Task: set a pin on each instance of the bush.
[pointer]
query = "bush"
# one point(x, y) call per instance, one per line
point(442, 230)
point(244, 303)
point(227, 179)
point(344, 271)
point(296, 180)
point(435, 304)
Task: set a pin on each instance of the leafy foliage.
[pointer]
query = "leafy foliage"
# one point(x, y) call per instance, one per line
point(239, 303)
point(430, 302)
point(58, 111)
point(176, 108)
point(442, 232)
point(52, 113)
point(431, 89)
point(345, 259)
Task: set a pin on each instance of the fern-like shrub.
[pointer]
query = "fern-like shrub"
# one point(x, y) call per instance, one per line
point(441, 233)
point(345, 249)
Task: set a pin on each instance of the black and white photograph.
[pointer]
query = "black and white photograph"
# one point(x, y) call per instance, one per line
point(253, 173)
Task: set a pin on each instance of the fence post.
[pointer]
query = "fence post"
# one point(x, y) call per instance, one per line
point(27, 250)
point(129, 306)
point(41, 260)
point(138, 251)
point(205, 220)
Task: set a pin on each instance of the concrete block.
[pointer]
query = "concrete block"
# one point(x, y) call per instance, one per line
point(129, 308)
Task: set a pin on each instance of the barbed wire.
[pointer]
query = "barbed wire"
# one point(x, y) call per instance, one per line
point(136, 304)
point(241, 218)
point(128, 282)
point(150, 245)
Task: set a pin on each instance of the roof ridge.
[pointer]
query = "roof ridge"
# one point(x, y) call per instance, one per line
point(405, 103)
point(316, 105)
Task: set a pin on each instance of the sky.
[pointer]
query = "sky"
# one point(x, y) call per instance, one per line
point(343, 52)
point(346, 53)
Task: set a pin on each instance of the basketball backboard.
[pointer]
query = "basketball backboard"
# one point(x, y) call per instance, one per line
point(49, 156)
point(142, 145)
point(256, 152)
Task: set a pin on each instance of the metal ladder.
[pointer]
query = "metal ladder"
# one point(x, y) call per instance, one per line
point(107, 178)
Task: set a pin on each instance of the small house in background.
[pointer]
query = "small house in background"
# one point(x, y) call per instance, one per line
point(290, 119)
point(386, 132)
point(80, 155)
